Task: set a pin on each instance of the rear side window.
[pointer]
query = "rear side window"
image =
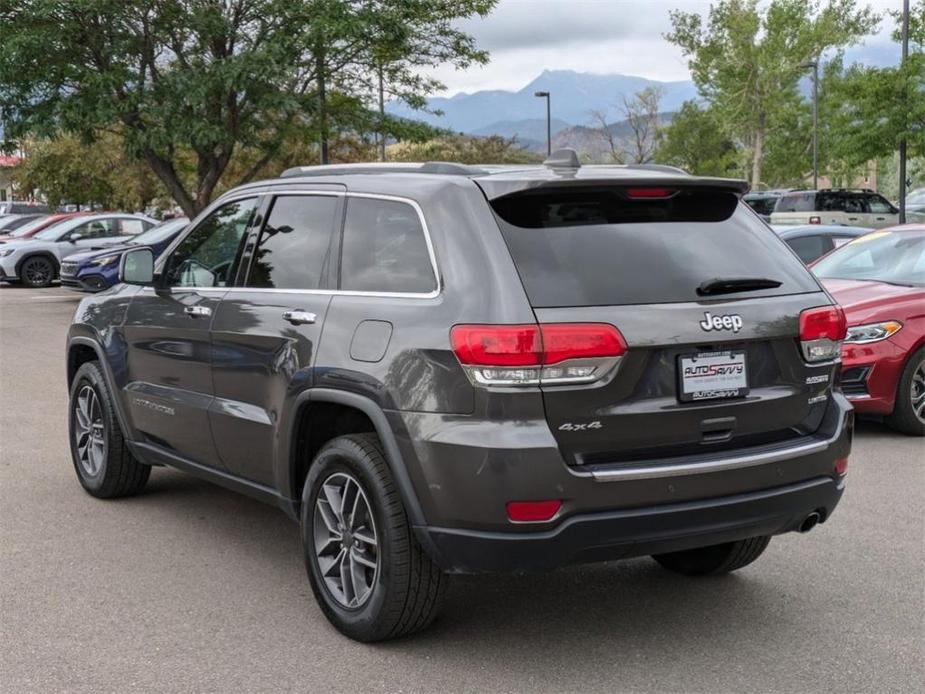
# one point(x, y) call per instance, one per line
point(796, 202)
point(295, 243)
point(131, 226)
point(384, 248)
point(598, 248)
point(810, 247)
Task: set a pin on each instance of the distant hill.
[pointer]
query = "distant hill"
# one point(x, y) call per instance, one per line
point(574, 96)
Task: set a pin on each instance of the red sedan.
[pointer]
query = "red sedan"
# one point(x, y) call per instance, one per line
point(879, 280)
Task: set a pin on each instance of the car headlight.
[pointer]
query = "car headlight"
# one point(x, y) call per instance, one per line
point(7, 251)
point(107, 260)
point(872, 332)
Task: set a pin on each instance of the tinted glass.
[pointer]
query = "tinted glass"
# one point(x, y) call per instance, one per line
point(763, 206)
point(600, 248)
point(878, 205)
point(796, 202)
point(95, 229)
point(295, 243)
point(384, 248)
point(830, 202)
point(810, 247)
point(854, 203)
point(209, 256)
point(895, 257)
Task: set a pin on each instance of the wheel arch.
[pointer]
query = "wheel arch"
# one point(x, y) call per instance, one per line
point(373, 413)
point(80, 350)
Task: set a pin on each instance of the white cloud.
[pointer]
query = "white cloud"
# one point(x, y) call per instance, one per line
point(525, 37)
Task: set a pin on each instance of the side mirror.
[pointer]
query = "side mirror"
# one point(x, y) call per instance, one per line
point(137, 267)
point(74, 238)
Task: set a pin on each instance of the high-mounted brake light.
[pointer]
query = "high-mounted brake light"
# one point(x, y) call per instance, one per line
point(553, 353)
point(650, 193)
point(822, 330)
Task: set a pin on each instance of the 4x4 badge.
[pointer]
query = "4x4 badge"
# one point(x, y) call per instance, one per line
point(731, 321)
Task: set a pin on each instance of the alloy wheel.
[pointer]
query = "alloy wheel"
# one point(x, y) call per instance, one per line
point(89, 431)
point(345, 540)
point(37, 271)
point(917, 391)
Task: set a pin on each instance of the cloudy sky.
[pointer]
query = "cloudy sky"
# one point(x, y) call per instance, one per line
point(526, 37)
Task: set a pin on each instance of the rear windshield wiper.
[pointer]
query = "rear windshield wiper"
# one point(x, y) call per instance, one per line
point(728, 285)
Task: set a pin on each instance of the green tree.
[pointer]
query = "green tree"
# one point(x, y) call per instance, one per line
point(200, 79)
point(746, 61)
point(870, 109)
point(695, 141)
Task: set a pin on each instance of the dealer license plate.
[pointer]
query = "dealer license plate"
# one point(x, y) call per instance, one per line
point(712, 375)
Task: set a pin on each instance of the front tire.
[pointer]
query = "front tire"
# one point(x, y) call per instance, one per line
point(715, 559)
point(909, 411)
point(370, 576)
point(37, 272)
point(104, 465)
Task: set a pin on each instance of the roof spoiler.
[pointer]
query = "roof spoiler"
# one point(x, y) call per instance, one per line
point(430, 167)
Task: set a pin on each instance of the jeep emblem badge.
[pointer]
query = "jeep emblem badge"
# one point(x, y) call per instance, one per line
point(731, 322)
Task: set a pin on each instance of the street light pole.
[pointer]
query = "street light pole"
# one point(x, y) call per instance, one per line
point(814, 64)
point(902, 142)
point(545, 95)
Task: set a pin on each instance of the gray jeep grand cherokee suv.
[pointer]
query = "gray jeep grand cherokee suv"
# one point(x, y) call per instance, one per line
point(443, 369)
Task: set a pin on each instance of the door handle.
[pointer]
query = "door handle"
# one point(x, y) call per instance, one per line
point(198, 311)
point(297, 317)
point(852, 219)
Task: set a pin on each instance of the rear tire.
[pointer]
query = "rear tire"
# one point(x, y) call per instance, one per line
point(37, 272)
point(716, 559)
point(909, 411)
point(105, 466)
point(376, 582)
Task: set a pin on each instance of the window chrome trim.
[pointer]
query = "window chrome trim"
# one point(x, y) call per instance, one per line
point(433, 294)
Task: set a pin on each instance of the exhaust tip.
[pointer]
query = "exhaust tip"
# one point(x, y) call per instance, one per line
point(809, 522)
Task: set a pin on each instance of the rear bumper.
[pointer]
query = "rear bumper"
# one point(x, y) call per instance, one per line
point(636, 532)
point(730, 497)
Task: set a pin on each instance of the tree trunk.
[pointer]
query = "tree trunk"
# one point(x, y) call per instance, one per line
point(163, 169)
point(758, 154)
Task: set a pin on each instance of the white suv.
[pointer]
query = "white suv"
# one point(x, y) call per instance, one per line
point(35, 261)
point(858, 208)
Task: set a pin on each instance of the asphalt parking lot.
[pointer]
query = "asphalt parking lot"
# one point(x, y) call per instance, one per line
point(189, 587)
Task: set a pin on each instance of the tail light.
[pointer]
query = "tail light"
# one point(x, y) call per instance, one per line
point(822, 330)
point(815, 220)
point(841, 467)
point(530, 354)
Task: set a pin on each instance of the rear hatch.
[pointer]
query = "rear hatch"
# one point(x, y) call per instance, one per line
point(707, 299)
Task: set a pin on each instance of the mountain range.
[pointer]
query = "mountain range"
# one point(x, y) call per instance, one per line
point(574, 95)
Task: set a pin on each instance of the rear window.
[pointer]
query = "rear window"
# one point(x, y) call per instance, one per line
point(599, 248)
point(796, 202)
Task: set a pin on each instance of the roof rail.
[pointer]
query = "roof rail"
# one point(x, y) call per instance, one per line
point(564, 158)
point(431, 167)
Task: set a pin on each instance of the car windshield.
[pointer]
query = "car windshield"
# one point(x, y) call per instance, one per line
point(894, 257)
point(159, 233)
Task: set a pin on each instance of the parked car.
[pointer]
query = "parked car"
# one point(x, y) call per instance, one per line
point(95, 271)
point(12, 222)
point(812, 241)
point(445, 368)
point(29, 230)
point(22, 207)
point(35, 261)
point(763, 201)
point(863, 208)
point(879, 280)
point(915, 203)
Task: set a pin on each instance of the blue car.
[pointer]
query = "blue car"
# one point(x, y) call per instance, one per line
point(97, 270)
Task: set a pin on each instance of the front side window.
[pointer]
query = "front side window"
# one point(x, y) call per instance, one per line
point(878, 205)
point(95, 229)
point(209, 256)
point(384, 248)
point(295, 243)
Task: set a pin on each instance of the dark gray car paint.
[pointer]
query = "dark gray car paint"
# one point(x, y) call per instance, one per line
point(458, 453)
